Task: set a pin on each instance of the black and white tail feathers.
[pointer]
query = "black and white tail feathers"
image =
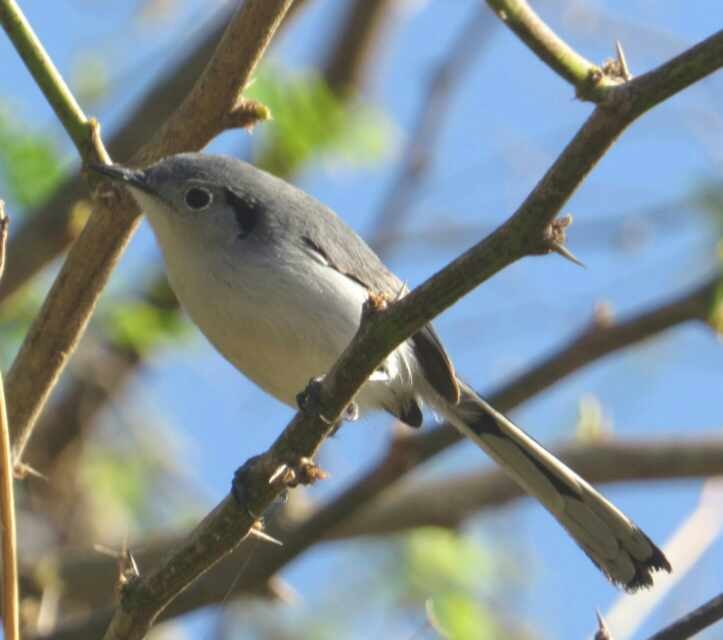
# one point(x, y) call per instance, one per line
point(613, 542)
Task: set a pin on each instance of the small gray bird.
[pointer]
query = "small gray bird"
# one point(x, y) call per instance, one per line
point(276, 282)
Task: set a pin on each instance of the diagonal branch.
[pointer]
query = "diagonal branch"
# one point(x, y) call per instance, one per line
point(384, 327)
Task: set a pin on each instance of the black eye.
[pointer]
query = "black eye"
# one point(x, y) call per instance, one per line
point(198, 198)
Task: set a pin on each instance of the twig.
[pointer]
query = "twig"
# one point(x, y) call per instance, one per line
point(690, 624)
point(589, 80)
point(428, 125)
point(11, 595)
point(64, 315)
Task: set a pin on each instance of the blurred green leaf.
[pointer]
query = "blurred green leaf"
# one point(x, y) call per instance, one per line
point(308, 120)
point(29, 162)
point(439, 561)
point(459, 617)
point(139, 326)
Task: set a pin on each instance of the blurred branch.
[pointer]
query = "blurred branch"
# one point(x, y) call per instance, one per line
point(694, 622)
point(11, 595)
point(531, 230)
point(590, 81)
point(62, 319)
point(355, 42)
point(424, 134)
point(446, 503)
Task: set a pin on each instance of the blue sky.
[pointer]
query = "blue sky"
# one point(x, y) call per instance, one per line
point(507, 122)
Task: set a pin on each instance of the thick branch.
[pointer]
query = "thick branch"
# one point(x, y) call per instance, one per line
point(67, 309)
point(382, 329)
point(446, 502)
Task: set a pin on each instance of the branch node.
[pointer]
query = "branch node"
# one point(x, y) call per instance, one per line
point(554, 240)
point(603, 315)
point(246, 114)
point(616, 69)
point(22, 470)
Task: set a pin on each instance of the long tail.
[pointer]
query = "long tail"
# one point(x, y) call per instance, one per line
point(615, 545)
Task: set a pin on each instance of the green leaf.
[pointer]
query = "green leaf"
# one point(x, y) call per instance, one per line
point(309, 120)
point(460, 617)
point(29, 162)
point(139, 326)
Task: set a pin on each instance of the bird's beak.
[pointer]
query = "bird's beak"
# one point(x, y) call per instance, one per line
point(118, 173)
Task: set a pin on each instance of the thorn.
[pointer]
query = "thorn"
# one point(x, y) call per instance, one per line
point(562, 250)
point(132, 567)
point(278, 473)
point(602, 633)
point(624, 70)
point(259, 533)
point(22, 470)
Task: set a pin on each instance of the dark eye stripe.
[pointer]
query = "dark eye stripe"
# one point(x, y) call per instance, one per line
point(198, 198)
point(245, 210)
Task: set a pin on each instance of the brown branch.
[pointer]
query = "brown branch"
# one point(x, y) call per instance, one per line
point(384, 326)
point(444, 503)
point(424, 133)
point(70, 302)
point(701, 618)
point(11, 595)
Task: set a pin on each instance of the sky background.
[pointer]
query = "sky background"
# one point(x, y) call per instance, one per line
point(509, 119)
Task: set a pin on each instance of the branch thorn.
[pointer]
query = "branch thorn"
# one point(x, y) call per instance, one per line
point(623, 70)
point(256, 531)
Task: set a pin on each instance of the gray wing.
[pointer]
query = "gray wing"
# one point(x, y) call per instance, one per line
point(319, 229)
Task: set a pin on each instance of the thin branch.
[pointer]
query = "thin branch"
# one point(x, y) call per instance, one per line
point(590, 81)
point(11, 594)
point(449, 501)
point(701, 618)
point(424, 133)
point(61, 321)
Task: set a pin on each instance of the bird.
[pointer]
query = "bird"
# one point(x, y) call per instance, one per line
point(276, 281)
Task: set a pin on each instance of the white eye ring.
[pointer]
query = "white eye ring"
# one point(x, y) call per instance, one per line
point(198, 198)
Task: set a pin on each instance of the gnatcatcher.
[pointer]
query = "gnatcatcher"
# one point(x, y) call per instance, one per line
point(276, 281)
